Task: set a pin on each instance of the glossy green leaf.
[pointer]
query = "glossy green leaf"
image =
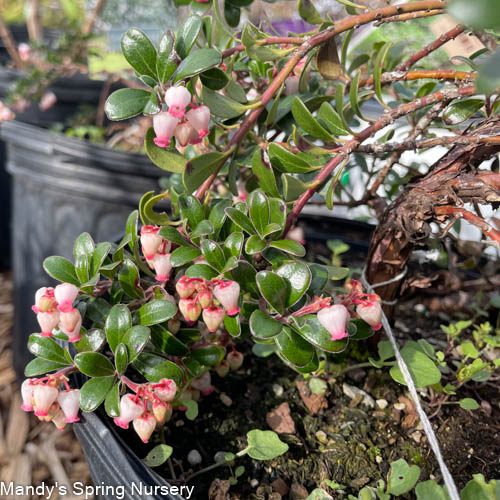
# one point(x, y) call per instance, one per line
point(191, 210)
point(214, 79)
point(128, 277)
point(232, 325)
point(240, 219)
point(297, 277)
point(258, 210)
point(187, 35)
point(136, 338)
point(84, 245)
point(289, 246)
point(354, 97)
point(199, 168)
point(313, 332)
point(155, 312)
point(273, 289)
point(158, 455)
point(217, 214)
point(286, 161)
point(99, 255)
point(213, 254)
point(117, 323)
point(139, 52)
point(204, 228)
point(121, 358)
point(292, 187)
point(264, 173)
point(264, 326)
point(254, 245)
point(93, 340)
point(233, 245)
point(163, 340)
point(183, 255)
point(478, 14)
point(40, 366)
point(46, 348)
point(93, 364)
point(163, 158)
point(232, 14)
point(197, 62)
point(166, 62)
point(378, 67)
point(94, 391)
point(153, 106)
point(210, 355)
point(172, 234)
point(201, 271)
point(294, 348)
point(112, 402)
point(305, 119)
point(154, 368)
point(221, 105)
point(245, 275)
point(460, 111)
point(126, 103)
point(61, 269)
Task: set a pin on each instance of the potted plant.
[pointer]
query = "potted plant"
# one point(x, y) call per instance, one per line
point(253, 129)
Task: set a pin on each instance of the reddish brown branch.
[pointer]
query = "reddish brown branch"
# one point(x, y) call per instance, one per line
point(439, 42)
point(89, 25)
point(10, 44)
point(440, 74)
point(472, 218)
point(409, 16)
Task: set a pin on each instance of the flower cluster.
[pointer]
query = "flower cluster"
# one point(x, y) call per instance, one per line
point(148, 408)
point(6, 113)
point(50, 404)
point(156, 250)
point(188, 127)
point(197, 297)
point(54, 309)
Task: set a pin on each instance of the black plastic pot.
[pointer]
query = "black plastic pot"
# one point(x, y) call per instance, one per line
point(62, 187)
point(113, 464)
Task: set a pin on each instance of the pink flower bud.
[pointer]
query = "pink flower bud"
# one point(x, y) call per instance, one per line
point(222, 368)
point(205, 297)
point(69, 401)
point(164, 125)
point(47, 321)
point(162, 265)
point(334, 320)
point(59, 420)
point(130, 409)
point(27, 394)
point(190, 309)
point(213, 317)
point(43, 397)
point(297, 234)
point(47, 101)
point(184, 134)
point(70, 323)
point(24, 52)
point(144, 426)
point(45, 300)
point(150, 241)
point(185, 287)
point(199, 118)
point(203, 384)
point(165, 389)
point(65, 295)
point(235, 360)
point(228, 294)
point(371, 313)
point(177, 98)
point(162, 412)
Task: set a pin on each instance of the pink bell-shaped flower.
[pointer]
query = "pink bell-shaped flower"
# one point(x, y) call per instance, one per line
point(130, 409)
point(190, 309)
point(213, 317)
point(165, 389)
point(47, 321)
point(228, 294)
point(371, 313)
point(205, 297)
point(334, 320)
point(235, 360)
point(24, 51)
point(199, 118)
point(69, 401)
point(177, 98)
point(43, 397)
point(162, 265)
point(164, 124)
point(222, 368)
point(45, 300)
point(27, 394)
point(184, 134)
point(65, 294)
point(185, 287)
point(150, 240)
point(162, 412)
point(144, 426)
point(203, 384)
point(59, 420)
point(70, 323)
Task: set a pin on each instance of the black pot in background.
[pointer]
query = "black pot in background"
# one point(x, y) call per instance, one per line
point(62, 187)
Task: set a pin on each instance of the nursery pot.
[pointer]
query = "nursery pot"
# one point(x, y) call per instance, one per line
point(111, 461)
point(62, 187)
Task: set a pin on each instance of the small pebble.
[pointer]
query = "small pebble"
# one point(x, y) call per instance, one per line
point(419, 308)
point(194, 457)
point(321, 437)
point(226, 400)
point(254, 483)
point(278, 390)
point(220, 456)
point(382, 403)
point(351, 392)
point(399, 406)
point(378, 459)
point(416, 436)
